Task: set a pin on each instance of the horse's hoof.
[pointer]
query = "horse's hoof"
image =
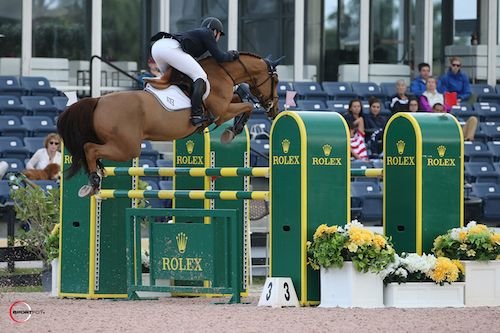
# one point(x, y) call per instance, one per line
point(85, 190)
point(227, 136)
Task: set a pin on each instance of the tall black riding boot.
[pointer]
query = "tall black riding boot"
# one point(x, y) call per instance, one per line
point(197, 116)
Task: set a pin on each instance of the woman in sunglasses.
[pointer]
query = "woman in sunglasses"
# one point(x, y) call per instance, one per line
point(454, 80)
point(48, 155)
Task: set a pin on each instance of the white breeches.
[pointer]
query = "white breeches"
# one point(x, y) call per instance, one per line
point(168, 51)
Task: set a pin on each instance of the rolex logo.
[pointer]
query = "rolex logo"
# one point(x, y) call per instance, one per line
point(285, 144)
point(181, 242)
point(190, 146)
point(441, 150)
point(327, 149)
point(401, 147)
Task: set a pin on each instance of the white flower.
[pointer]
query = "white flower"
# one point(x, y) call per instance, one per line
point(145, 258)
point(415, 263)
point(470, 225)
point(401, 272)
point(454, 234)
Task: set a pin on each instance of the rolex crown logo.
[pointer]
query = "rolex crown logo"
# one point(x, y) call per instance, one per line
point(327, 149)
point(181, 242)
point(441, 150)
point(401, 147)
point(190, 146)
point(285, 144)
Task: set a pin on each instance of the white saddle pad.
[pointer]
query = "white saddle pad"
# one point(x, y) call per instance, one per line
point(172, 98)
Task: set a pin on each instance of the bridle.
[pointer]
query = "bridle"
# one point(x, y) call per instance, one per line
point(270, 102)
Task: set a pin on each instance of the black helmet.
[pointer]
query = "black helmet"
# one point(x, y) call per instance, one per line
point(213, 23)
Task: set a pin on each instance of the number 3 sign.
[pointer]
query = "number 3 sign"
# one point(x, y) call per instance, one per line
point(278, 292)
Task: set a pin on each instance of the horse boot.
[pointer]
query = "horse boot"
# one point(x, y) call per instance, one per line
point(197, 116)
point(95, 181)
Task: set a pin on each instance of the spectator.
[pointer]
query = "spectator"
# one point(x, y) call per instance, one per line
point(413, 104)
point(49, 154)
point(469, 127)
point(4, 166)
point(358, 146)
point(431, 96)
point(399, 102)
point(418, 85)
point(355, 114)
point(152, 71)
point(374, 120)
point(454, 80)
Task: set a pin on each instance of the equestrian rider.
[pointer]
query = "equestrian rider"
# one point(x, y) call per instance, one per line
point(180, 51)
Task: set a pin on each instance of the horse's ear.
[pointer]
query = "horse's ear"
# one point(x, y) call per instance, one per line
point(276, 62)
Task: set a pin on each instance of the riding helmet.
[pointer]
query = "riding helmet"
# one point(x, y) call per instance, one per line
point(213, 23)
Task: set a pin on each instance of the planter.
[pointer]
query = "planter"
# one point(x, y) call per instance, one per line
point(55, 278)
point(346, 288)
point(424, 295)
point(482, 283)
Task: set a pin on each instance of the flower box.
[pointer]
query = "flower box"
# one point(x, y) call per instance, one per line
point(345, 287)
point(424, 295)
point(482, 283)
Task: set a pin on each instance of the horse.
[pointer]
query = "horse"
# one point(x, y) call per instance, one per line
point(113, 126)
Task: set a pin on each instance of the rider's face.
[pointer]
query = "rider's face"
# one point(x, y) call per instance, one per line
point(216, 35)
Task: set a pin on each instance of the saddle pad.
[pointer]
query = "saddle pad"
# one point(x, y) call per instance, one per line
point(172, 98)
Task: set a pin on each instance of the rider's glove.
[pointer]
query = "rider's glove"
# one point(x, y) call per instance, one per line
point(235, 54)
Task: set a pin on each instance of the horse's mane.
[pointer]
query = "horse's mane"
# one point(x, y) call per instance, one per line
point(242, 53)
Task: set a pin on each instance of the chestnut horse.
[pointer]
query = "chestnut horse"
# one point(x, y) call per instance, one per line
point(113, 126)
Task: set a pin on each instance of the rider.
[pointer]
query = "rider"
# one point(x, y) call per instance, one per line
point(180, 51)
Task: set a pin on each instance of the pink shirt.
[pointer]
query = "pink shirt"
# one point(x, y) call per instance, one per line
point(358, 145)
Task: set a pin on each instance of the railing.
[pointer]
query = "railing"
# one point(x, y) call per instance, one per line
point(139, 82)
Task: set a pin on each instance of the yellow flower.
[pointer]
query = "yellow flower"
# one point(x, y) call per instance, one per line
point(462, 236)
point(444, 270)
point(332, 229)
point(361, 236)
point(459, 265)
point(352, 247)
point(379, 241)
point(320, 231)
point(477, 229)
point(495, 238)
point(471, 253)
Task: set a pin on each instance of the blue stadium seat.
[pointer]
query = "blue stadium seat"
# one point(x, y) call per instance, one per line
point(9, 85)
point(487, 111)
point(47, 184)
point(480, 172)
point(38, 86)
point(15, 164)
point(13, 147)
point(259, 153)
point(490, 193)
point(463, 111)
point(12, 106)
point(146, 163)
point(259, 127)
point(476, 151)
point(34, 143)
point(485, 93)
point(147, 151)
point(490, 130)
point(337, 106)
point(39, 125)
point(310, 105)
point(371, 200)
point(365, 90)
point(338, 90)
point(40, 106)
point(60, 102)
point(494, 147)
point(310, 90)
point(283, 86)
point(4, 192)
point(389, 88)
point(161, 163)
point(12, 126)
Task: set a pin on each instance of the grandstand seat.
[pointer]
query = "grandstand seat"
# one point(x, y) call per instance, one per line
point(12, 147)
point(487, 111)
point(39, 125)
point(47, 184)
point(60, 102)
point(15, 164)
point(146, 163)
point(161, 163)
point(477, 151)
point(490, 194)
point(365, 90)
point(34, 143)
point(480, 172)
point(12, 126)
point(338, 90)
point(371, 200)
point(9, 85)
point(490, 130)
point(40, 106)
point(485, 93)
point(38, 86)
point(4, 192)
point(12, 106)
point(259, 128)
point(360, 164)
point(463, 111)
point(283, 86)
point(147, 151)
point(310, 90)
point(310, 105)
point(389, 88)
point(494, 147)
point(259, 153)
point(378, 163)
point(337, 106)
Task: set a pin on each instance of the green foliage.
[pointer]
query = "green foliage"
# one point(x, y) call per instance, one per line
point(40, 209)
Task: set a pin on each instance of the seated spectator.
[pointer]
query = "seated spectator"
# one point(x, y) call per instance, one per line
point(399, 102)
point(152, 71)
point(454, 80)
point(431, 96)
point(49, 154)
point(355, 114)
point(413, 104)
point(358, 146)
point(468, 129)
point(418, 85)
point(374, 120)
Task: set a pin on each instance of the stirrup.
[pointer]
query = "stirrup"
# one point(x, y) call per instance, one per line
point(198, 120)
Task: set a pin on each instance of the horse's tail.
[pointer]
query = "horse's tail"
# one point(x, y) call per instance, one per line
point(76, 127)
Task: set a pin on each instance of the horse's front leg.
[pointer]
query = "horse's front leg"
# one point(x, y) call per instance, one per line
point(233, 110)
point(94, 184)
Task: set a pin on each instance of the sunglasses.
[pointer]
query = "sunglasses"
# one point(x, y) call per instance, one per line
point(455, 65)
point(54, 143)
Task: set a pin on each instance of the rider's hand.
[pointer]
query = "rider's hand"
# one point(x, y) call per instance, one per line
point(235, 54)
